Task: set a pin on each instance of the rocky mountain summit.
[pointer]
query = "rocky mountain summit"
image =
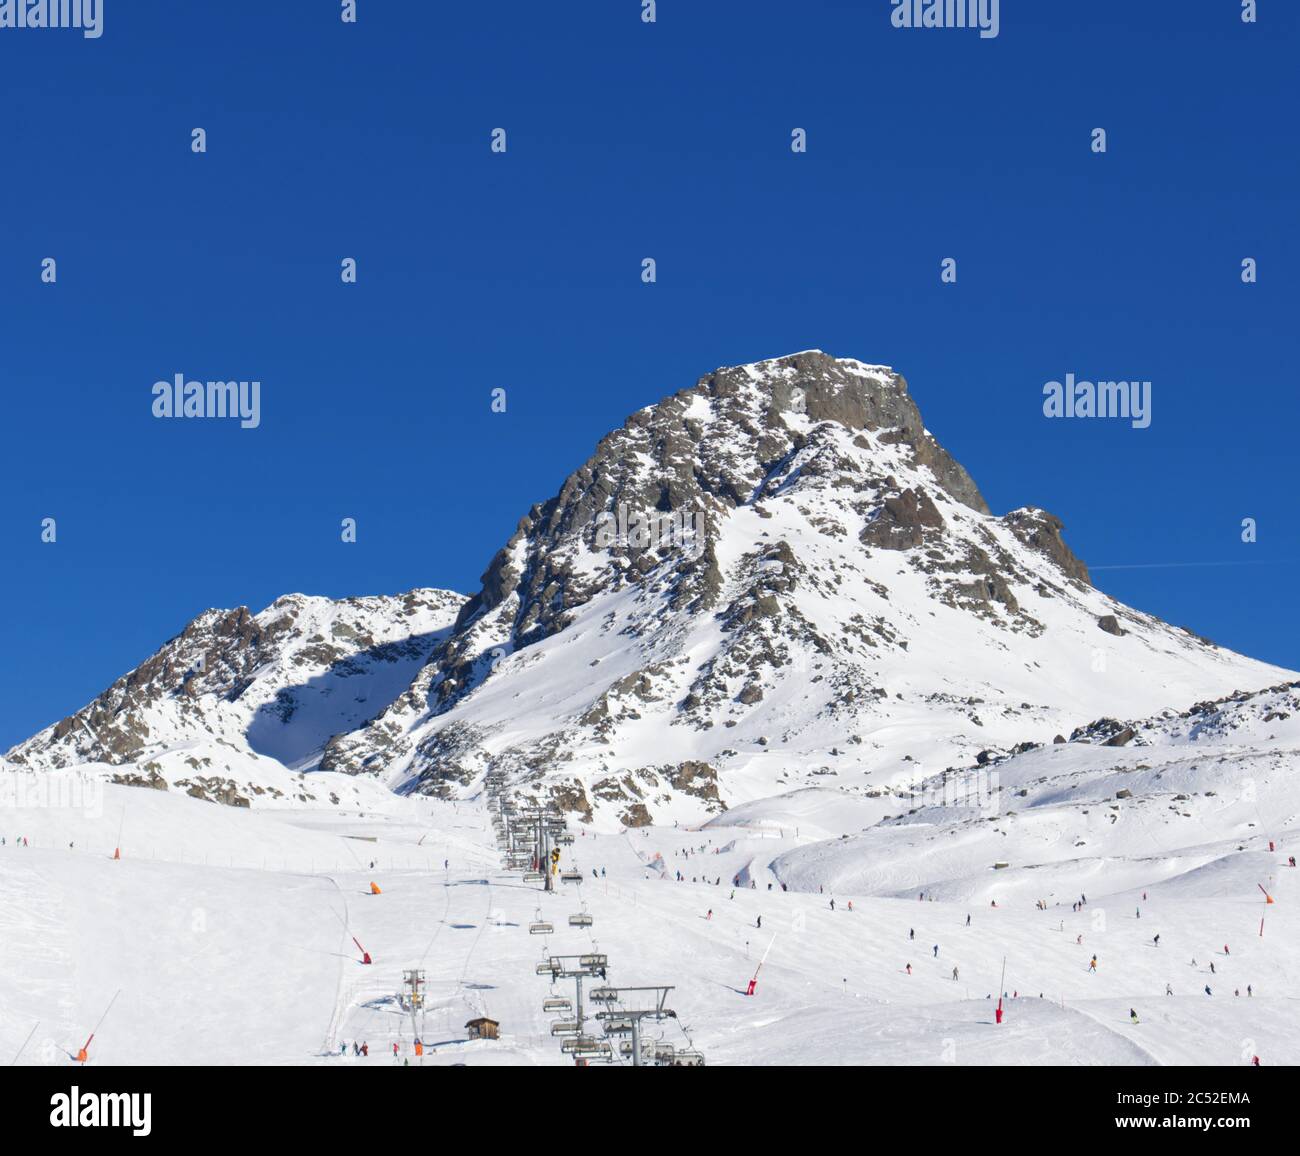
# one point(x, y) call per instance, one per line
point(773, 579)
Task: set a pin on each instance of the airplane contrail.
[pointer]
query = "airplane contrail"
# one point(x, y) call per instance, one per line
point(1180, 565)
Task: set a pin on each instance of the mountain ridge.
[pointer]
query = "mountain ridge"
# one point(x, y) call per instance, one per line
point(832, 599)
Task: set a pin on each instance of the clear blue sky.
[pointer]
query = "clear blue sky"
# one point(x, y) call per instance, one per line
point(522, 271)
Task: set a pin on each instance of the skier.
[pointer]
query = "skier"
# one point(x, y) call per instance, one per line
point(1212, 971)
point(1169, 989)
point(1255, 1060)
point(850, 904)
point(1290, 862)
point(365, 1050)
point(1225, 950)
point(759, 922)
point(1156, 941)
point(1092, 966)
point(1139, 913)
point(968, 920)
point(602, 872)
point(1250, 991)
point(710, 914)
point(394, 1049)
point(909, 969)
point(832, 904)
point(1207, 990)
point(954, 975)
point(936, 951)
point(911, 933)
point(1132, 1014)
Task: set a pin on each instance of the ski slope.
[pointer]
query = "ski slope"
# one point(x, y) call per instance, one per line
point(229, 934)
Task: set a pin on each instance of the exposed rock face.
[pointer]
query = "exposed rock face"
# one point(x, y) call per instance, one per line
point(235, 688)
point(808, 487)
point(1042, 531)
point(773, 579)
point(901, 521)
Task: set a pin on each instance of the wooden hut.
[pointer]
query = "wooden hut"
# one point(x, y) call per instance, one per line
point(483, 1029)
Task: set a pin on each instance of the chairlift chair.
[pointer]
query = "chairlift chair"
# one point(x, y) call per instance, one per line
point(540, 927)
point(582, 919)
point(593, 1050)
point(557, 1003)
point(564, 1028)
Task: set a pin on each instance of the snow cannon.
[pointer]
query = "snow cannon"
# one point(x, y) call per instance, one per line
point(365, 955)
point(374, 889)
point(117, 852)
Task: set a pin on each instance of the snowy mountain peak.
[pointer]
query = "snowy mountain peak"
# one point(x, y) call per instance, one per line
point(772, 580)
point(774, 577)
point(275, 684)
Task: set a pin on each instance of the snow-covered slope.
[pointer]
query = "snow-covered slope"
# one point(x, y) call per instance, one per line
point(830, 674)
point(810, 591)
point(772, 580)
point(1185, 802)
point(238, 704)
point(229, 933)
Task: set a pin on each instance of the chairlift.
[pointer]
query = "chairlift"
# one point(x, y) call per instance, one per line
point(540, 927)
point(571, 876)
point(582, 919)
point(564, 1028)
point(557, 1003)
point(603, 995)
point(593, 961)
point(689, 1058)
point(616, 1027)
point(546, 968)
point(586, 1046)
point(564, 838)
point(593, 1050)
point(534, 877)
